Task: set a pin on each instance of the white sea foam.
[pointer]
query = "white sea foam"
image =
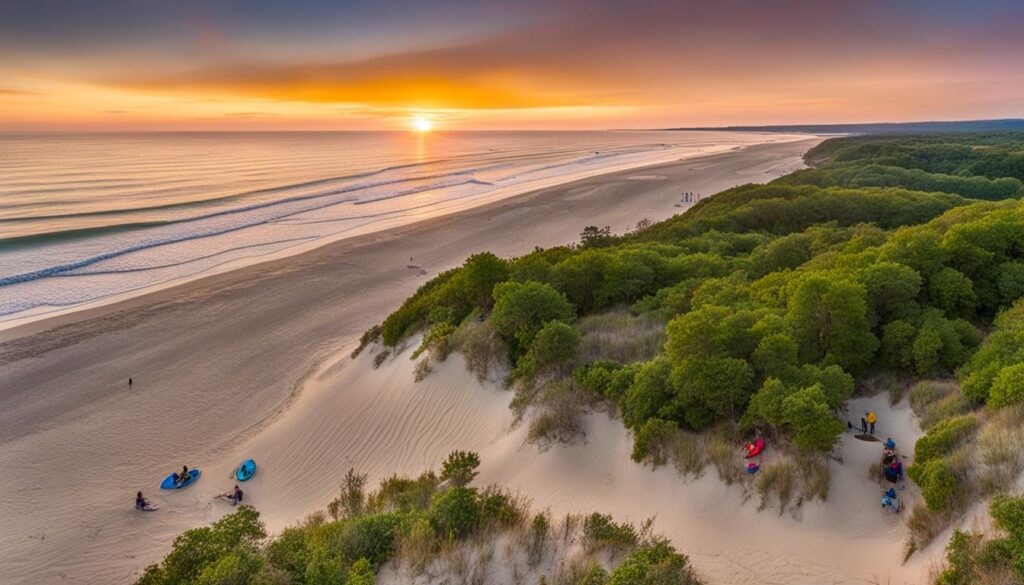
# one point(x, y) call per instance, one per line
point(90, 217)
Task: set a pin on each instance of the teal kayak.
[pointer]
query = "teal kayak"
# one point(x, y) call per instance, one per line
point(246, 470)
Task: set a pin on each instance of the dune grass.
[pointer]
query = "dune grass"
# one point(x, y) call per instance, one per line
point(620, 336)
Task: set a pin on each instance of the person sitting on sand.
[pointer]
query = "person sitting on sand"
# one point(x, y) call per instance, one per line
point(234, 497)
point(888, 457)
point(891, 500)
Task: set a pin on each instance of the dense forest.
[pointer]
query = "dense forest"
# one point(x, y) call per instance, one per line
point(892, 260)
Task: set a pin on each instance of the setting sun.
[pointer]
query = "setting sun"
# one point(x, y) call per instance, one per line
point(421, 124)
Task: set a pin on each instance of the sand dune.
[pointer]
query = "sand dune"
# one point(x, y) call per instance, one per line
point(379, 421)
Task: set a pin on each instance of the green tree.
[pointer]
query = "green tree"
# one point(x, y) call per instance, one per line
point(891, 291)
point(897, 347)
point(553, 348)
point(829, 322)
point(785, 252)
point(775, 355)
point(712, 388)
point(650, 392)
point(478, 276)
point(766, 403)
point(460, 468)
point(522, 309)
point(651, 441)
point(952, 292)
point(814, 425)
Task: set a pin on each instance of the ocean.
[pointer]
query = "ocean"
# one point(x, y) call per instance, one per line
point(88, 217)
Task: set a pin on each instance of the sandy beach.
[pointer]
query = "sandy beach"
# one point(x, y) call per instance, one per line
point(253, 362)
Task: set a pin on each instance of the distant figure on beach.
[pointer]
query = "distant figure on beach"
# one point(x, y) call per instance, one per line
point(863, 425)
point(234, 496)
point(129, 383)
point(872, 418)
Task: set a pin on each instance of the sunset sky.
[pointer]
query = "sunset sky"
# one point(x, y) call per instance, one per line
point(305, 65)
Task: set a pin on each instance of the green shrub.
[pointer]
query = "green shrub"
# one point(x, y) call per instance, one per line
point(370, 537)
point(943, 437)
point(225, 549)
point(459, 468)
point(522, 309)
point(455, 512)
point(361, 573)
point(352, 499)
point(961, 557)
point(652, 441)
point(404, 494)
point(607, 378)
point(1007, 387)
point(939, 484)
point(498, 508)
point(654, 564)
point(553, 348)
point(814, 425)
point(289, 552)
point(601, 531)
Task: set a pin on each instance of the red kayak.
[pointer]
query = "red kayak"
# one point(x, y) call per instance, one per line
point(754, 449)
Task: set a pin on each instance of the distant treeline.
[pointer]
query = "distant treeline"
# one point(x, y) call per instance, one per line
point(881, 127)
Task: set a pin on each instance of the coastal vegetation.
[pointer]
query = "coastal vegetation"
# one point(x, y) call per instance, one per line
point(893, 260)
point(430, 528)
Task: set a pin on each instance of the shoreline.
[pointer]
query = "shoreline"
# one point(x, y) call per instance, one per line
point(20, 324)
point(218, 360)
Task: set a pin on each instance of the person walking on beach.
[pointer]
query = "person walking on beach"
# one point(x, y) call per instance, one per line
point(863, 425)
point(871, 418)
point(129, 383)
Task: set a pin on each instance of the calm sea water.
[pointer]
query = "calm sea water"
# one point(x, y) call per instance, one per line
point(85, 217)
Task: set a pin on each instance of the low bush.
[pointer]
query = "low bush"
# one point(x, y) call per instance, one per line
point(227, 550)
point(943, 437)
point(652, 441)
point(404, 494)
point(455, 512)
point(656, 563)
point(352, 499)
point(938, 481)
point(460, 468)
point(484, 350)
point(601, 532)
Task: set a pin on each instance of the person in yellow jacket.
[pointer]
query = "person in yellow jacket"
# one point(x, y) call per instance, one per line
point(871, 418)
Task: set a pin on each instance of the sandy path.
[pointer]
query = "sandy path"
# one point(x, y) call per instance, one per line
point(213, 359)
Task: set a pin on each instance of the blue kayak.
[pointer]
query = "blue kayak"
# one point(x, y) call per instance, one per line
point(246, 470)
point(168, 483)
